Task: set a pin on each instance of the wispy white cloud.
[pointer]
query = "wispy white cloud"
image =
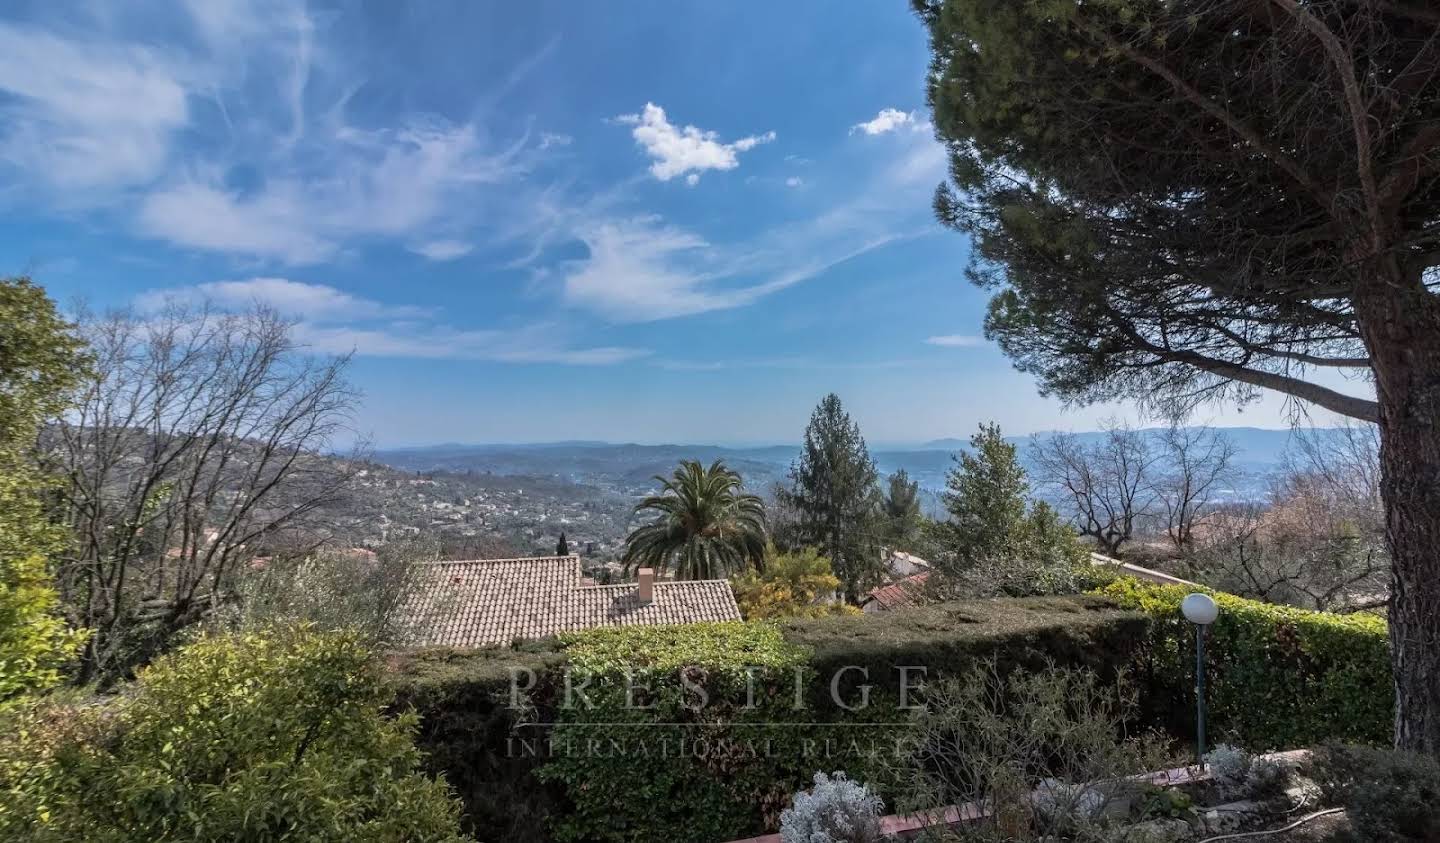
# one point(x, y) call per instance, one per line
point(794, 181)
point(86, 115)
point(389, 182)
point(956, 341)
point(641, 270)
point(296, 299)
point(685, 150)
point(553, 139)
point(888, 120)
point(236, 137)
point(443, 250)
point(331, 321)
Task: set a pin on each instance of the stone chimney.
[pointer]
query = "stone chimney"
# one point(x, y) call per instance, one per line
point(646, 591)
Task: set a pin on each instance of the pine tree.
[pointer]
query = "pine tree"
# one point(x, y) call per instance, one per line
point(562, 547)
point(833, 490)
point(900, 510)
point(985, 496)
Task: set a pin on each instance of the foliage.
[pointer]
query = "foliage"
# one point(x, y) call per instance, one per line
point(1277, 677)
point(833, 490)
point(1177, 202)
point(705, 525)
point(1389, 796)
point(795, 584)
point(259, 736)
point(35, 643)
point(1048, 750)
point(699, 770)
point(334, 589)
point(41, 363)
point(994, 544)
point(902, 525)
point(1238, 774)
point(835, 810)
point(490, 752)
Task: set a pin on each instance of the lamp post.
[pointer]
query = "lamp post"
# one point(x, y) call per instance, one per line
point(1200, 610)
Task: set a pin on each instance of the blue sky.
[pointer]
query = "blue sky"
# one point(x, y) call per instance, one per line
point(529, 221)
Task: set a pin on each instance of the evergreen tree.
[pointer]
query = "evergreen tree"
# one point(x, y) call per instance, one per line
point(985, 496)
point(900, 510)
point(1200, 199)
point(40, 363)
point(833, 491)
point(562, 548)
point(997, 541)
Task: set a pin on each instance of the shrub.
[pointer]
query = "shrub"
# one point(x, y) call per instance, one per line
point(835, 810)
point(1238, 774)
point(680, 768)
point(492, 755)
point(468, 732)
point(795, 584)
point(1229, 768)
point(249, 737)
point(1031, 745)
point(1277, 677)
point(1388, 795)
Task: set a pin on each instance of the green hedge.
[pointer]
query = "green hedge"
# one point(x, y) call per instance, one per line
point(572, 793)
point(1278, 677)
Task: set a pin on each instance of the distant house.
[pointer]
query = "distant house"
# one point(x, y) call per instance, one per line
point(497, 601)
point(898, 594)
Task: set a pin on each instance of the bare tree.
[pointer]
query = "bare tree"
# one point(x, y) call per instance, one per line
point(193, 449)
point(1198, 463)
point(1319, 542)
point(1107, 487)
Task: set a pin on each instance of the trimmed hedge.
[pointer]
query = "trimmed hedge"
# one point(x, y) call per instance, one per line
point(515, 793)
point(1278, 677)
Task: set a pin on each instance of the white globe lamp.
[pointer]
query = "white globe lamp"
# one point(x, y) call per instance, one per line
point(1199, 609)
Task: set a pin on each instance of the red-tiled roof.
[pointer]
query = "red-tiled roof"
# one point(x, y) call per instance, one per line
point(495, 601)
point(900, 592)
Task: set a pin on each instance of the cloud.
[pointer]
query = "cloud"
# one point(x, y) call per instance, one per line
point(296, 299)
point(888, 120)
point(685, 150)
point(236, 135)
point(331, 321)
point(551, 139)
point(641, 270)
point(956, 341)
point(84, 115)
point(385, 182)
point(443, 250)
point(794, 181)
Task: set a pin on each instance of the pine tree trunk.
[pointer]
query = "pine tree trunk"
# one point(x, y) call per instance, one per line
point(1402, 330)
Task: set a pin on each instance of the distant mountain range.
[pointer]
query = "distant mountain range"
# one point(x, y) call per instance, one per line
point(629, 468)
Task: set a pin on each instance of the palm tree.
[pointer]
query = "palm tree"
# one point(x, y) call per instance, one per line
point(706, 526)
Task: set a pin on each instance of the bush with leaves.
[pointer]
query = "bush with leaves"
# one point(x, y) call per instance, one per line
point(1046, 751)
point(260, 736)
point(835, 810)
point(41, 362)
point(1389, 796)
point(797, 584)
point(997, 541)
